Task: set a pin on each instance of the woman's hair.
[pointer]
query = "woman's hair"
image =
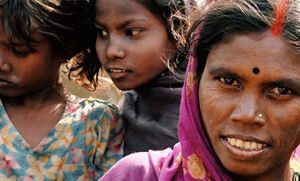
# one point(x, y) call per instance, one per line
point(223, 19)
point(66, 24)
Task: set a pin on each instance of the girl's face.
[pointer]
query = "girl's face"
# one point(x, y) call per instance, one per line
point(249, 96)
point(131, 43)
point(24, 72)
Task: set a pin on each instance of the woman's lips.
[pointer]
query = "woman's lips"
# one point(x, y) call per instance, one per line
point(245, 149)
point(245, 145)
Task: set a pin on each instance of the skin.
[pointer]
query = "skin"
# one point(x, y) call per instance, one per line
point(229, 86)
point(29, 89)
point(131, 43)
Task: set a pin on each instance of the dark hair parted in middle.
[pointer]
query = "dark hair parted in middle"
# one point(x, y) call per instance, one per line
point(223, 19)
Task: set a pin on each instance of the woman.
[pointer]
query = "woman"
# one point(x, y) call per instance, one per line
point(239, 117)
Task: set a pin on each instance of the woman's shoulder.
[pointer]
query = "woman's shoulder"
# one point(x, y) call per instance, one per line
point(133, 167)
point(144, 166)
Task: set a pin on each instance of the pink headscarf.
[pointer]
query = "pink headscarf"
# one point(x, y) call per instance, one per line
point(198, 157)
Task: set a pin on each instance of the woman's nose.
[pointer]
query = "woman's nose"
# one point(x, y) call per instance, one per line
point(247, 111)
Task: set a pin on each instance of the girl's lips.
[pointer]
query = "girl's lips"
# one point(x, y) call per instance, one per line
point(117, 73)
point(4, 82)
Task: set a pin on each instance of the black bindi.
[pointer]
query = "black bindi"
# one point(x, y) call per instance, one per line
point(255, 70)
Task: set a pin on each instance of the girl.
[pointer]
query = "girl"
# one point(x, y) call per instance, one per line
point(239, 117)
point(46, 134)
point(134, 39)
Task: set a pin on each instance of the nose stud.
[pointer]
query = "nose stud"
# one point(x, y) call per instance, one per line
point(260, 115)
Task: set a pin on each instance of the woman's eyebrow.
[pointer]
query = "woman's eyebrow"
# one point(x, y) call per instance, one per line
point(285, 82)
point(221, 71)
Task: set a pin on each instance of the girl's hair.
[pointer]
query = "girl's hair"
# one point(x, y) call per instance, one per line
point(66, 24)
point(223, 19)
point(174, 15)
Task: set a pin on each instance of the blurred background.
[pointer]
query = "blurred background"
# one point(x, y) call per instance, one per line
point(105, 90)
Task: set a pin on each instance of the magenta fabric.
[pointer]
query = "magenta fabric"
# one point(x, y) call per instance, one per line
point(195, 145)
point(148, 166)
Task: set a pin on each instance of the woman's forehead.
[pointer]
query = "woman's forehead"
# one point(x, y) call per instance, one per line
point(259, 51)
point(258, 43)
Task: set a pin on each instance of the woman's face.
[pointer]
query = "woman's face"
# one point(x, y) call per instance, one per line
point(249, 96)
point(131, 43)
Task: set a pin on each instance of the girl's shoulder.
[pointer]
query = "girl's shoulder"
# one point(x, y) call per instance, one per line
point(91, 103)
point(295, 164)
point(296, 176)
point(92, 109)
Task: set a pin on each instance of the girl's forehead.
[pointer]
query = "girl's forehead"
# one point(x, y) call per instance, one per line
point(115, 6)
point(116, 12)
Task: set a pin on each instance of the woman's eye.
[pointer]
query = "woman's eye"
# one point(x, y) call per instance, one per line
point(228, 81)
point(283, 91)
point(133, 32)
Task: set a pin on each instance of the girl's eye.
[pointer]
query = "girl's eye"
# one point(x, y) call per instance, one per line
point(229, 81)
point(102, 33)
point(133, 32)
point(22, 53)
point(282, 91)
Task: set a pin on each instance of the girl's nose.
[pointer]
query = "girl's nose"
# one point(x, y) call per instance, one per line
point(115, 51)
point(4, 66)
point(247, 111)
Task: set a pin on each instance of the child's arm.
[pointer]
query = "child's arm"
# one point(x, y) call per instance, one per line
point(110, 143)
